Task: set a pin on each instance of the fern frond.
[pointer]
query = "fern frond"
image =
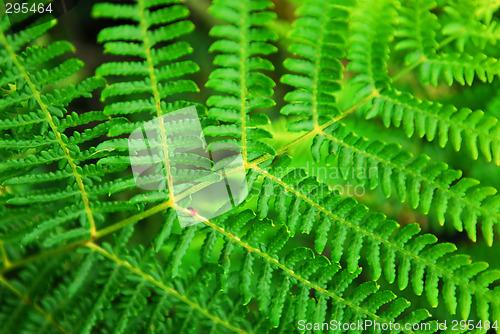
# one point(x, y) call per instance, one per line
point(242, 44)
point(285, 247)
point(418, 34)
point(130, 281)
point(461, 68)
point(45, 109)
point(143, 85)
point(424, 183)
point(464, 23)
point(24, 121)
point(318, 45)
point(390, 249)
point(477, 131)
point(18, 299)
point(301, 268)
point(151, 85)
point(417, 29)
point(484, 9)
point(371, 32)
point(293, 269)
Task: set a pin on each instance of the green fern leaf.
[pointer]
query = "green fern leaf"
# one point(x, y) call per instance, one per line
point(319, 46)
point(475, 130)
point(239, 77)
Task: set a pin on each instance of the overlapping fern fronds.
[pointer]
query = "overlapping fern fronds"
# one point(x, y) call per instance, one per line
point(425, 184)
point(371, 31)
point(38, 131)
point(73, 257)
point(319, 45)
point(144, 85)
point(346, 227)
point(445, 123)
point(147, 80)
point(242, 43)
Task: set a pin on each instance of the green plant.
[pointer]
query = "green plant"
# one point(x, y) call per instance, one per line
point(84, 250)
